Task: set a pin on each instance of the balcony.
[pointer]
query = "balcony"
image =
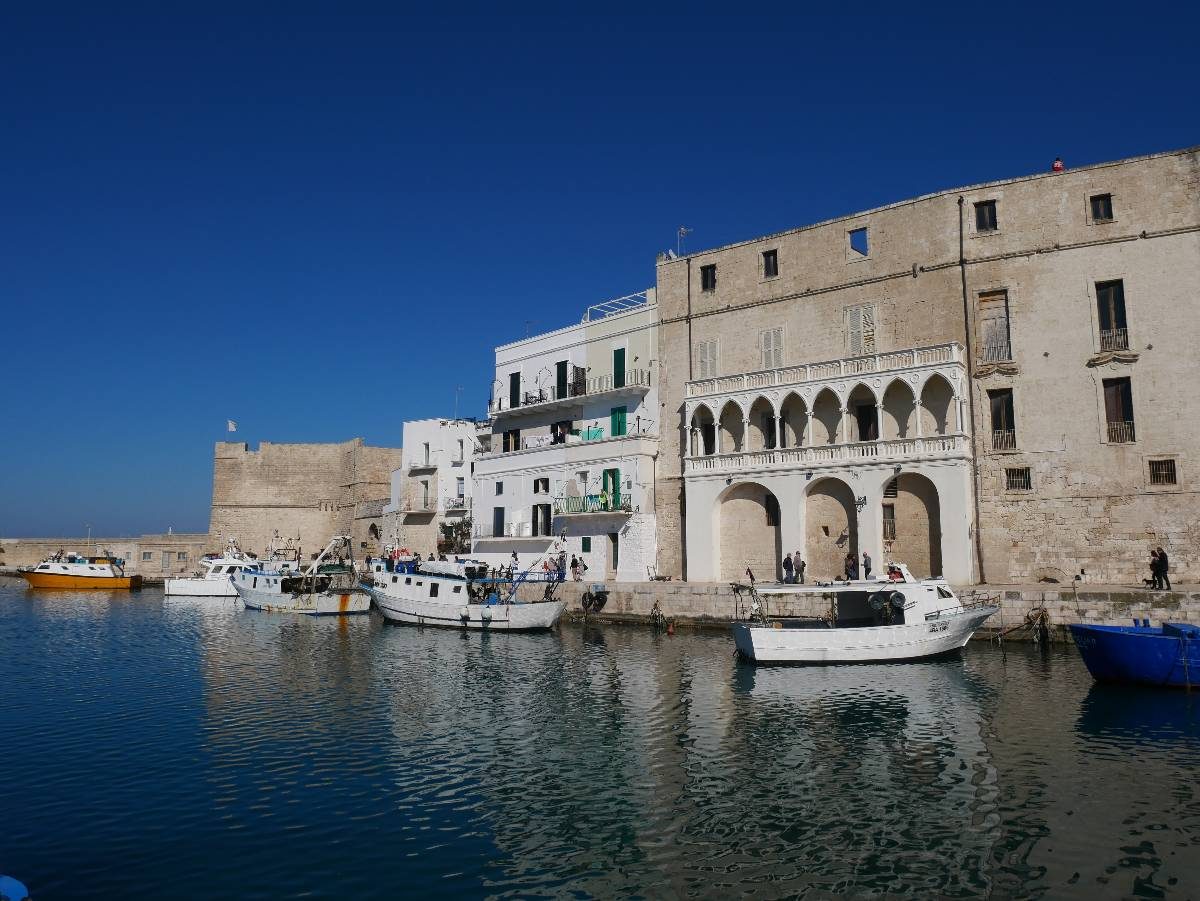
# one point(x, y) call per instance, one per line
point(419, 465)
point(592, 504)
point(806, 373)
point(1004, 439)
point(632, 381)
point(895, 451)
point(1114, 339)
point(418, 507)
point(1121, 433)
point(582, 452)
point(456, 505)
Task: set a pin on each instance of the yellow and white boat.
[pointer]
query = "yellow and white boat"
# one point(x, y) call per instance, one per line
point(73, 571)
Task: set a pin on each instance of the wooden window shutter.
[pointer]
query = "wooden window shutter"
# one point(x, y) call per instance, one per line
point(868, 329)
point(854, 330)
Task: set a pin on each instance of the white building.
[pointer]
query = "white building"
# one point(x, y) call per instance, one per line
point(432, 485)
point(575, 425)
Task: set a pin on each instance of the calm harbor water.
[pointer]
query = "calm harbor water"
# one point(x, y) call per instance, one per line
point(156, 747)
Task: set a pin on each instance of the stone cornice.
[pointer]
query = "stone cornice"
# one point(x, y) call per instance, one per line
point(1112, 356)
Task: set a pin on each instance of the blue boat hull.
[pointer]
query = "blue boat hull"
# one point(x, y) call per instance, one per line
point(1165, 656)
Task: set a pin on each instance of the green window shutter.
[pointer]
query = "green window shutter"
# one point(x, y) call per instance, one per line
point(619, 367)
point(617, 422)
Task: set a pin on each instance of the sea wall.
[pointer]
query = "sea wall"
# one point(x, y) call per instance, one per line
point(713, 605)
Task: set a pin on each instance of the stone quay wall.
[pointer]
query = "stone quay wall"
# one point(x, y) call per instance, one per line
point(713, 605)
point(149, 556)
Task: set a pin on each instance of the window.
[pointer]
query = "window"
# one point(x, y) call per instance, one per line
point(458, 589)
point(771, 505)
point(181, 555)
point(461, 449)
point(586, 544)
point(985, 216)
point(425, 447)
point(541, 486)
point(560, 430)
point(860, 245)
point(514, 389)
point(1118, 410)
point(460, 487)
point(708, 277)
point(1162, 472)
point(889, 520)
point(1101, 207)
point(706, 359)
point(1004, 428)
point(433, 589)
point(1018, 479)
point(581, 478)
point(1110, 307)
point(770, 346)
point(617, 421)
point(541, 519)
point(618, 367)
point(860, 329)
point(499, 488)
point(992, 325)
point(424, 494)
point(147, 555)
point(770, 263)
point(512, 440)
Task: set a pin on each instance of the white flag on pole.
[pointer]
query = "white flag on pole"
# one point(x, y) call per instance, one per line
point(231, 425)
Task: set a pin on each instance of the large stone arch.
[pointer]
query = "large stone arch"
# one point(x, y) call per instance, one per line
point(914, 534)
point(746, 533)
point(831, 527)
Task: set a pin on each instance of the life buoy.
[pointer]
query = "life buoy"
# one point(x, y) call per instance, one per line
point(897, 599)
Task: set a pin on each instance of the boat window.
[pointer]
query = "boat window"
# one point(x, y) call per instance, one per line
point(419, 582)
point(255, 585)
point(43, 567)
point(457, 589)
point(943, 593)
point(395, 579)
point(433, 589)
point(408, 581)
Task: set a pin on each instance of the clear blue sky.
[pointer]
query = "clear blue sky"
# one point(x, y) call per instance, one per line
point(318, 219)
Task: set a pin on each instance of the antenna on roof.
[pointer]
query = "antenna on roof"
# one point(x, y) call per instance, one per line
point(684, 231)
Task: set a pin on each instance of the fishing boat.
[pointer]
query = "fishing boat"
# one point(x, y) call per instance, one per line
point(329, 586)
point(75, 571)
point(216, 579)
point(891, 618)
point(465, 594)
point(1166, 655)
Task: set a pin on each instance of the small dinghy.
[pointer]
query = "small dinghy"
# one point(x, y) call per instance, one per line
point(1166, 655)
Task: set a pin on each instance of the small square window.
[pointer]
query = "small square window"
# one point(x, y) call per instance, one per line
point(860, 243)
point(1162, 472)
point(770, 259)
point(985, 216)
point(1101, 208)
point(147, 555)
point(1018, 479)
point(181, 555)
point(708, 277)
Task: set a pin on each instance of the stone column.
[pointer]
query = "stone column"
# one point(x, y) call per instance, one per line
point(778, 433)
point(745, 434)
point(806, 438)
point(843, 435)
point(879, 422)
point(870, 519)
point(918, 426)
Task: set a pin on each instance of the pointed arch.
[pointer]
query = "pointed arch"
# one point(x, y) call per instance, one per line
point(731, 428)
point(793, 420)
point(899, 404)
point(938, 406)
point(827, 417)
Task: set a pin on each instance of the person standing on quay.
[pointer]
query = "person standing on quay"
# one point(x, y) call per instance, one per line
point(866, 565)
point(787, 569)
point(1164, 581)
point(851, 566)
point(800, 565)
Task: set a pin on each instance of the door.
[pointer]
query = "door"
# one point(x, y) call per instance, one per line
point(610, 485)
point(560, 379)
point(614, 554)
point(616, 424)
point(497, 522)
point(514, 390)
point(166, 561)
point(619, 367)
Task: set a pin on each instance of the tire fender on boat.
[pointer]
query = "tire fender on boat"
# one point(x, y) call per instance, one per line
point(465, 613)
point(486, 614)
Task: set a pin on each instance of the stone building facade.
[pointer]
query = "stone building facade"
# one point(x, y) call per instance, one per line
point(990, 383)
point(306, 491)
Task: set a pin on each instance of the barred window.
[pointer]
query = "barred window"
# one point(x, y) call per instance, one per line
point(1162, 472)
point(1018, 479)
point(992, 325)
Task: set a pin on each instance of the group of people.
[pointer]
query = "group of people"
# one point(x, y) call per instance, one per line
point(793, 569)
point(1159, 580)
point(557, 564)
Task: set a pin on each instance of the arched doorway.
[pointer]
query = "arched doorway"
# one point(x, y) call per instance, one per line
point(912, 524)
point(747, 533)
point(831, 528)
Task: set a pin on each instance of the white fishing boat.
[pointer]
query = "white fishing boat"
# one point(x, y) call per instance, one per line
point(216, 580)
point(894, 617)
point(328, 586)
point(464, 594)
